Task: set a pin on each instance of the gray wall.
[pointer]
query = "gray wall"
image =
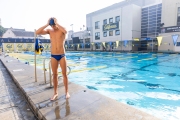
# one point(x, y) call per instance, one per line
point(167, 43)
point(169, 12)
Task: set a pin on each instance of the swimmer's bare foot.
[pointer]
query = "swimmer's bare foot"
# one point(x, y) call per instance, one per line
point(67, 95)
point(54, 97)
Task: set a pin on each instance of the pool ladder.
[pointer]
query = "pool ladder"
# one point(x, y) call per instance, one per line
point(44, 68)
point(50, 75)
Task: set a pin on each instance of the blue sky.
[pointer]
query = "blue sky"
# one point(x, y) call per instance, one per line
point(32, 14)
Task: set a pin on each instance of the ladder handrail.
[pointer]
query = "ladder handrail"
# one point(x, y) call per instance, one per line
point(50, 76)
point(44, 61)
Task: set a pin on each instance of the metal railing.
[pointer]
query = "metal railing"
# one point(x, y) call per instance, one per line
point(50, 74)
point(44, 68)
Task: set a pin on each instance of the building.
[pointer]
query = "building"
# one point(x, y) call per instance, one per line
point(169, 38)
point(151, 20)
point(133, 25)
point(19, 33)
point(116, 26)
point(18, 40)
point(78, 40)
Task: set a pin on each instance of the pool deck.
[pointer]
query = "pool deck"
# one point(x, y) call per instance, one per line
point(84, 104)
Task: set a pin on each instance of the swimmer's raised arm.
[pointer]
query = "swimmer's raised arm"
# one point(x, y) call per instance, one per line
point(42, 31)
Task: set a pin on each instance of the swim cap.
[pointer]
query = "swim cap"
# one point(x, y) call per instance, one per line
point(51, 22)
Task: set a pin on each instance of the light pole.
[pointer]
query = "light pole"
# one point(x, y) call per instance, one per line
point(72, 33)
point(72, 30)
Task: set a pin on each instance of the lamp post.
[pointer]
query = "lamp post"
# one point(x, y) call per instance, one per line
point(83, 37)
point(72, 33)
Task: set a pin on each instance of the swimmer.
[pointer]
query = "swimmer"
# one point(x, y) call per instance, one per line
point(57, 37)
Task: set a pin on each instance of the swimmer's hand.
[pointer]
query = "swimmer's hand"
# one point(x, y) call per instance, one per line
point(48, 22)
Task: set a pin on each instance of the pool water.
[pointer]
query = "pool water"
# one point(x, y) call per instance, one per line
point(146, 81)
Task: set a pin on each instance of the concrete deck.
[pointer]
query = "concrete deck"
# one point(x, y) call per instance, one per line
point(12, 104)
point(84, 104)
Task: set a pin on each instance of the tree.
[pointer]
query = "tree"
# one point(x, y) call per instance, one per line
point(2, 31)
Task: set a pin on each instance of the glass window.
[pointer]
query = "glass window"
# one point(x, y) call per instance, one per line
point(152, 20)
point(105, 34)
point(178, 17)
point(117, 18)
point(144, 21)
point(144, 13)
point(159, 15)
point(97, 26)
point(110, 33)
point(87, 40)
point(143, 34)
point(153, 24)
point(143, 24)
point(117, 32)
point(160, 5)
point(152, 16)
point(98, 46)
point(153, 7)
point(81, 41)
point(104, 21)
point(87, 46)
point(110, 20)
point(97, 35)
point(159, 8)
point(152, 13)
point(178, 44)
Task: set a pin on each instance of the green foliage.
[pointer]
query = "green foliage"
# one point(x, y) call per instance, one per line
point(2, 31)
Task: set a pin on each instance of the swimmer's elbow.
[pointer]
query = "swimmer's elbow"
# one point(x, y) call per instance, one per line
point(65, 32)
point(37, 33)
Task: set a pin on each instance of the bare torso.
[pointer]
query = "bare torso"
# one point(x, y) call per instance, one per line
point(57, 41)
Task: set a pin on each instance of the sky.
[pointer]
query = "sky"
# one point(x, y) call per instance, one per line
point(32, 14)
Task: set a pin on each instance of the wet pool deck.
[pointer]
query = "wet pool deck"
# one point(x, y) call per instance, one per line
point(84, 104)
point(12, 104)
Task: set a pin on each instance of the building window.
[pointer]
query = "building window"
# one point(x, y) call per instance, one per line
point(97, 26)
point(110, 33)
point(178, 44)
point(104, 21)
point(110, 20)
point(97, 35)
point(117, 18)
point(87, 40)
point(117, 32)
point(81, 41)
point(98, 46)
point(178, 17)
point(105, 34)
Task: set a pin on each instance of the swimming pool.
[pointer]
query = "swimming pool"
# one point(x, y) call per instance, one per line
point(147, 81)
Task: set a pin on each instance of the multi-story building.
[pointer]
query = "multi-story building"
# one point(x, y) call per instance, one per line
point(151, 20)
point(135, 25)
point(118, 25)
point(170, 26)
